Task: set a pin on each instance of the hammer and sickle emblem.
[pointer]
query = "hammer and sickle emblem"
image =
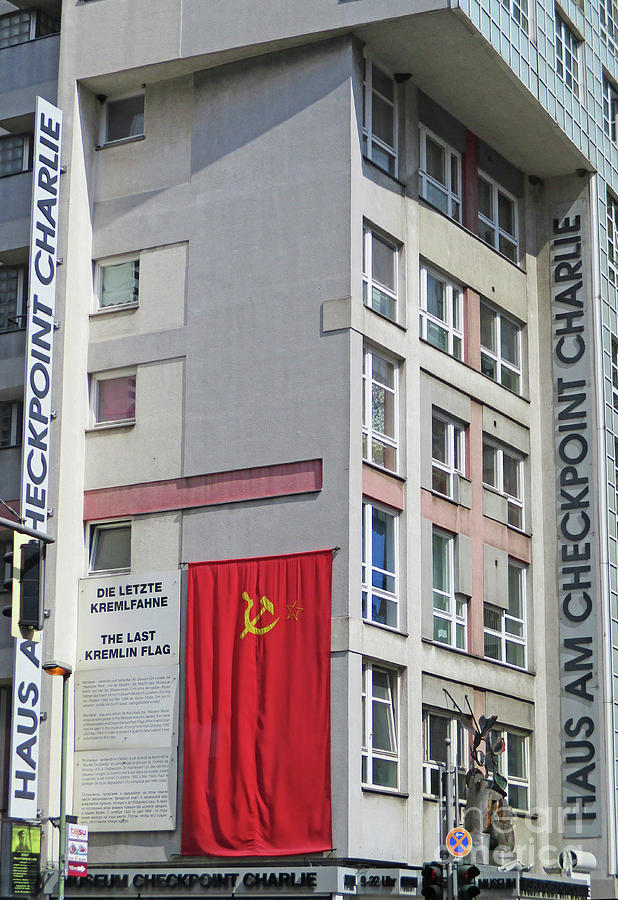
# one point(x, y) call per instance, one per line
point(250, 624)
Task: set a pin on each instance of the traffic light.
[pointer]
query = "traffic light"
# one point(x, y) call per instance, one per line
point(432, 881)
point(466, 882)
point(24, 564)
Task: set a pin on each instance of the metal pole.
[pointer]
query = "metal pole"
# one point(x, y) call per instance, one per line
point(63, 785)
point(450, 818)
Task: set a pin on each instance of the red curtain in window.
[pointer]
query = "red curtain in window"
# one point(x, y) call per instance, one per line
point(257, 707)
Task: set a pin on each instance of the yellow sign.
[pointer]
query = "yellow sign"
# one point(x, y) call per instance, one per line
point(250, 624)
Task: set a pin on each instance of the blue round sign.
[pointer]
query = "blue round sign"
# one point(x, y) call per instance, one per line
point(459, 842)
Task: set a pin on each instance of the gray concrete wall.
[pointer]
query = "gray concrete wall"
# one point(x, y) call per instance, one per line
point(27, 70)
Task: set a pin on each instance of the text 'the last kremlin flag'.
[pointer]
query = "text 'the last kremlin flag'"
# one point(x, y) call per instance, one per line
point(257, 707)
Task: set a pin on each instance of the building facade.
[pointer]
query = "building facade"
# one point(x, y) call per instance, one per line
point(335, 275)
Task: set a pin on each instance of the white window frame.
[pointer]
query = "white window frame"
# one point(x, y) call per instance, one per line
point(25, 161)
point(501, 362)
point(95, 380)
point(513, 502)
point(507, 619)
point(610, 108)
point(94, 529)
point(459, 749)
point(104, 130)
point(455, 449)
point(608, 14)
point(457, 613)
point(454, 297)
point(493, 221)
point(372, 143)
point(370, 283)
point(102, 264)
point(518, 10)
point(513, 780)
point(567, 54)
point(614, 365)
point(368, 752)
point(612, 238)
point(369, 433)
point(20, 305)
point(390, 598)
point(453, 196)
point(15, 423)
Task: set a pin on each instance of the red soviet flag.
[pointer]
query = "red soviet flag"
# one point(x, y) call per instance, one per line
point(257, 707)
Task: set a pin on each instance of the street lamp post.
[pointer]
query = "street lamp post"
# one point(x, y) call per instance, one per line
point(65, 670)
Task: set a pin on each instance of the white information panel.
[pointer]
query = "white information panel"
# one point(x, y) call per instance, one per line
point(129, 708)
point(131, 790)
point(128, 620)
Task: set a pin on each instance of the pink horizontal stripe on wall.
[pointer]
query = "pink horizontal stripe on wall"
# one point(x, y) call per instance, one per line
point(204, 490)
point(381, 487)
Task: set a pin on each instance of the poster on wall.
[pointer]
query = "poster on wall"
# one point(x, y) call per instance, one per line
point(126, 701)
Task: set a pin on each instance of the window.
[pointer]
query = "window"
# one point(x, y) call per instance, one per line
point(500, 348)
point(379, 410)
point(449, 612)
point(498, 217)
point(118, 283)
point(447, 454)
point(12, 297)
point(380, 272)
point(440, 175)
point(124, 118)
point(110, 547)
point(513, 765)
point(505, 629)
point(519, 12)
point(114, 398)
point(436, 729)
point(14, 154)
point(502, 470)
point(567, 65)
point(6, 568)
point(441, 315)
point(609, 22)
point(380, 118)
point(10, 423)
point(615, 372)
point(612, 238)
point(379, 566)
point(380, 751)
point(610, 108)
point(25, 25)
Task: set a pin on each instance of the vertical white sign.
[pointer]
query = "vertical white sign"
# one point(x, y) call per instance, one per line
point(35, 447)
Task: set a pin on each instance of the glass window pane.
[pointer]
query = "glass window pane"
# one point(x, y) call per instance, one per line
point(383, 540)
point(515, 576)
point(509, 341)
point(485, 198)
point(436, 196)
point(488, 328)
point(493, 646)
point(436, 290)
point(506, 246)
point(383, 120)
point(489, 367)
point(511, 475)
point(385, 772)
point(437, 336)
point(441, 630)
point(439, 434)
point(490, 465)
point(506, 213)
point(438, 733)
point(515, 655)
point(382, 83)
point(119, 284)
point(492, 617)
point(441, 482)
point(116, 399)
point(516, 755)
point(111, 548)
point(383, 737)
point(441, 574)
point(383, 371)
point(382, 411)
point(518, 796)
point(125, 118)
point(384, 257)
point(435, 161)
point(509, 379)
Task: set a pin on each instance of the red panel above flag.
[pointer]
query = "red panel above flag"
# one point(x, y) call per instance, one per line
point(257, 707)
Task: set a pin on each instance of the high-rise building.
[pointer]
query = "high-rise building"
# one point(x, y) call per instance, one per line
point(334, 275)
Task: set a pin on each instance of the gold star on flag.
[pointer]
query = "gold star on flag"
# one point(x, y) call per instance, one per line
point(293, 610)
